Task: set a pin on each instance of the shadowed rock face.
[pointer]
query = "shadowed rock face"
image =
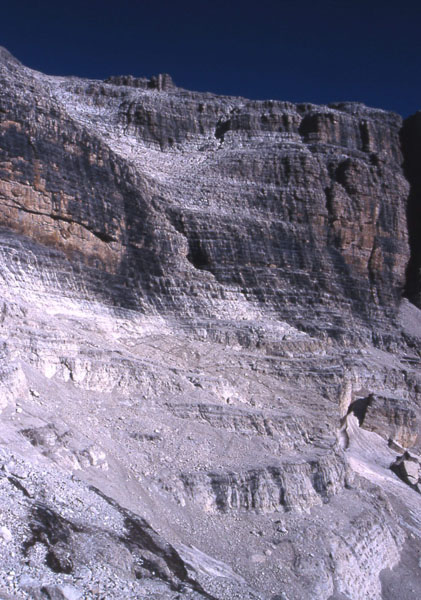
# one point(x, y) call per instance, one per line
point(411, 144)
point(205, 350)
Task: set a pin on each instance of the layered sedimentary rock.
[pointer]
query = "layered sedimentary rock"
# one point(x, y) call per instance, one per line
point(204, 339)
point(389, 417)
point(186, 195)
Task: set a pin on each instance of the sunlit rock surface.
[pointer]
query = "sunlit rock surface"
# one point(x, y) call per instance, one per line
point(208, 366)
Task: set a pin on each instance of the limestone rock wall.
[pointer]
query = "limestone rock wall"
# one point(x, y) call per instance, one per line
point(197, 292)
point(192, 199)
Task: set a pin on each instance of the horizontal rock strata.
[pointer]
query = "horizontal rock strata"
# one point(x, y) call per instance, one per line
point(209, 375)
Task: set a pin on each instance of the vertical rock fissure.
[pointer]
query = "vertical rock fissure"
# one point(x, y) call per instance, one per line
point(411, 149)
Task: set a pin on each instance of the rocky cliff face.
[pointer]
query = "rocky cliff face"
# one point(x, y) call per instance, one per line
point(257, 200)
point(205, 340)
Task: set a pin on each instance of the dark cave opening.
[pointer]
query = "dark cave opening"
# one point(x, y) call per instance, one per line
point(197, 256)
point(221, 129)
point(359, 408)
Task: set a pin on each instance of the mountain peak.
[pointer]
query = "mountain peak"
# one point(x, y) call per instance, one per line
point(8, 58)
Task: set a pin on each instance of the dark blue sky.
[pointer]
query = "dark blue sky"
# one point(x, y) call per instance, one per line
point(300, 51)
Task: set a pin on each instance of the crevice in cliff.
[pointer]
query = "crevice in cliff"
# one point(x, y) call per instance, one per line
point(359, 408)
point(329, 204)
point(365, 135)
point(221, 129)
point(197, 256)
point(410, 136)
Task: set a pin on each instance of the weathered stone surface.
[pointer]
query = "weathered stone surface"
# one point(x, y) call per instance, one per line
point(196, 293)
point(408, 468)
point(391, 418)
point(62, 592)
point(278, 488)
point(190, 197)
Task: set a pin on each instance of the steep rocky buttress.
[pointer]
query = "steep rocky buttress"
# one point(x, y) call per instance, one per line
point(210, 338)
